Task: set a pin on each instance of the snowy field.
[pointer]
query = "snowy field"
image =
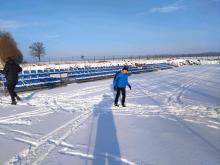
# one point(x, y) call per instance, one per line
point(172, 118)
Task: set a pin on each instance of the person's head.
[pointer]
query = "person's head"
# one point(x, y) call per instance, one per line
point(9, 59)
point(125, 70)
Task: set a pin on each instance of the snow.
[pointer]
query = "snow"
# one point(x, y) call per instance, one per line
point(176, 61)
point(74, 153)
point(26, 141)
point(2, 133)
point(172, 117)
point(22, 132)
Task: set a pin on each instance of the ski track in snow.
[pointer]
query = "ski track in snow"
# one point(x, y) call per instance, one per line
point(49, 104)
point(170, 106)
point(36, 152)
point(173, 105)
point(42, 147)
point(2, 133)
point(22, 133)
point(67, 151)
point(31, 143)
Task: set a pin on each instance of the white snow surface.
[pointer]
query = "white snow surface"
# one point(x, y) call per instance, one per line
point(172, 117)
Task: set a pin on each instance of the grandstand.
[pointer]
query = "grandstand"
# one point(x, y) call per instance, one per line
point(49, 78)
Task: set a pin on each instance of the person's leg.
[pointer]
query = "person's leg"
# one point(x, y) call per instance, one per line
point(15, 94)
point(123, 96)
point(10, 87)
point(13, 88)
point(117, 96)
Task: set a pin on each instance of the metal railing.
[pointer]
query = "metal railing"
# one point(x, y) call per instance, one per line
point(88, 59)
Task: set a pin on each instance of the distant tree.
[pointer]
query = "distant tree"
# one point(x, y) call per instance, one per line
point(37, 50)
point(8, 48)
point(82, 57)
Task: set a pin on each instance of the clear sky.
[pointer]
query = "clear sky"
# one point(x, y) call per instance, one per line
point(113, 27)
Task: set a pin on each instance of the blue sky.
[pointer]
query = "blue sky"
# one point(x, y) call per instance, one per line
point(113, 27)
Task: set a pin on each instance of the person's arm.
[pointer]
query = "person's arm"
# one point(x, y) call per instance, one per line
point(5, 69)
point(19, 69)
point(128, 84)
point(115, 82)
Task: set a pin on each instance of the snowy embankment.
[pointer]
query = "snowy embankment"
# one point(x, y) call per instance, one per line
point(192, 61)
point(80, 64)
point(172, 117)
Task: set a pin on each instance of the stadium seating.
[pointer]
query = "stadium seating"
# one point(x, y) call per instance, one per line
point(32, 78)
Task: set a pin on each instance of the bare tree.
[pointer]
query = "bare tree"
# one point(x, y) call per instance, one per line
point(8, 48)
point(82, 57)
point(37, 50)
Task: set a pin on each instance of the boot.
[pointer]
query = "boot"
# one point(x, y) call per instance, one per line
point(13, 102)
point(123, 105)
point(18, 98)
point(116, 104)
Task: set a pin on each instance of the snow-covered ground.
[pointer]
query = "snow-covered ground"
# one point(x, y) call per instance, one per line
point(172, 117)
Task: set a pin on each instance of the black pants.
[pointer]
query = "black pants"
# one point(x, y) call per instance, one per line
point(119, 90)
point(11, 90)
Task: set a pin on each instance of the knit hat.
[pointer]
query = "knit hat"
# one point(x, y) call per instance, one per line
point(125, 68)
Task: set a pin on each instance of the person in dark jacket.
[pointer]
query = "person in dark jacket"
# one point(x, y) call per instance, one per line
point(11, 71)
point(119, 83)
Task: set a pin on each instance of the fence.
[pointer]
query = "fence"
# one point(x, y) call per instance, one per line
point(121, 58)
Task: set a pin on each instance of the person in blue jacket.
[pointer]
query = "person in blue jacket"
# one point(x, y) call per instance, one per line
point(119, 83)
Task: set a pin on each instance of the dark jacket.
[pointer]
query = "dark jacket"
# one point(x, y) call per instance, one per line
point(11, 71)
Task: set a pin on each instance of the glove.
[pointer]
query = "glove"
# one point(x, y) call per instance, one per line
point(115, 88)
point(129, 86)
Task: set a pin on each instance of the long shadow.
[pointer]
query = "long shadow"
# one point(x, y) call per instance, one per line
point(106, 149)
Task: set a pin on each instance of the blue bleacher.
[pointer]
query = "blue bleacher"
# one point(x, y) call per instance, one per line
point(40, 71)
point(42, 77)
point(57, 70)
point(33, 71)
point(26, 72)
point(52, 70)
point(2, 78)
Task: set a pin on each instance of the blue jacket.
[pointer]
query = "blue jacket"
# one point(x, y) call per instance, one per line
point(121, 80)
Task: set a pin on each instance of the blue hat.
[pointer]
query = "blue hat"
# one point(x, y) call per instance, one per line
point(125, 68)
